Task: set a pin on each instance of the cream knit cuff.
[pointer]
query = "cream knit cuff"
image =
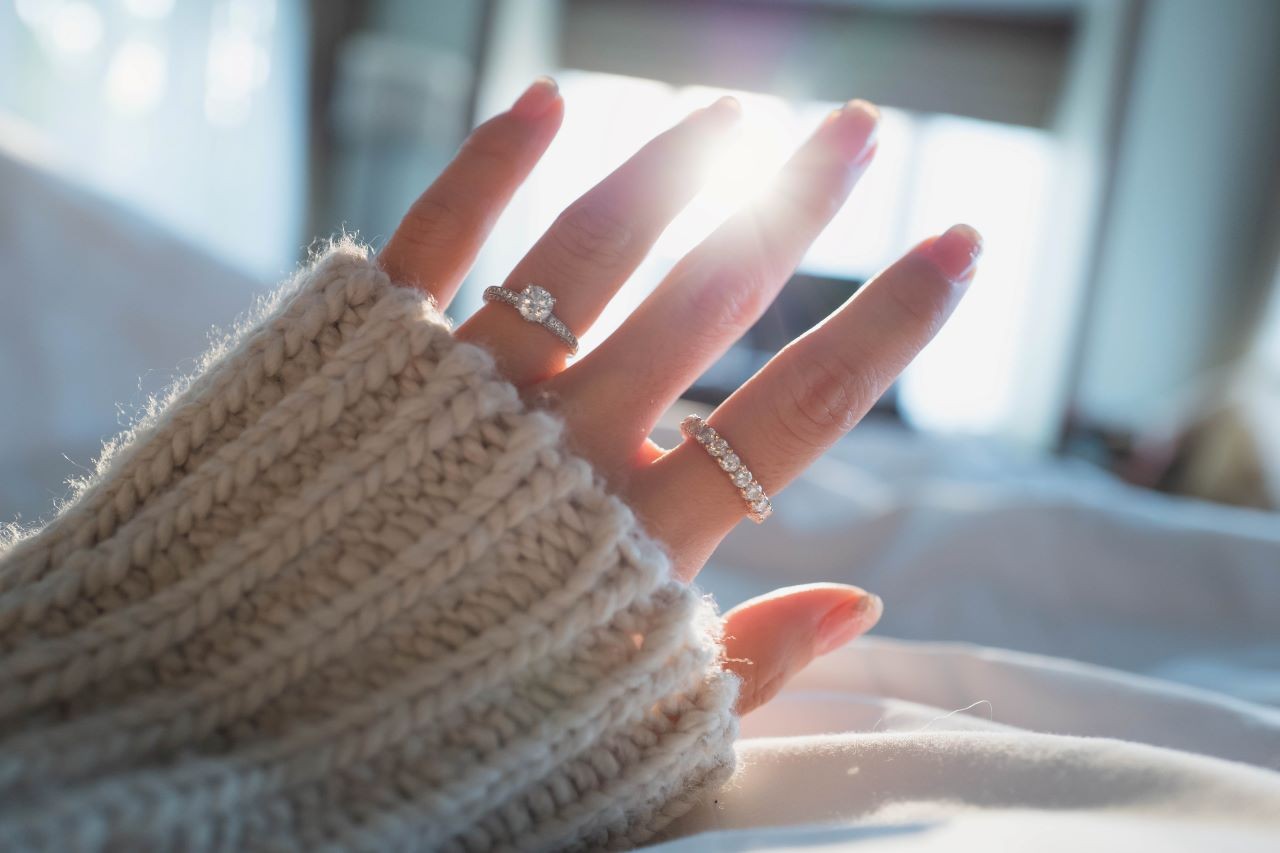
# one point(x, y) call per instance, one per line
point(343, 589)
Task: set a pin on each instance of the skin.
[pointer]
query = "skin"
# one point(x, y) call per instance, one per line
point(781, 420)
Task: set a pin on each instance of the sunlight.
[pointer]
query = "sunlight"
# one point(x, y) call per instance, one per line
point(930, 172)
point(740, 171)
point(69, 29)
point(135, 79)
point(238, 62)
point(995, 178)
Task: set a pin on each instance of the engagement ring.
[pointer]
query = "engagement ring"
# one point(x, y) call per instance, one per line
point(534, 304)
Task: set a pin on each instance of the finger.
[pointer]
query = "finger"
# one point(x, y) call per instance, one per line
point(814, 390)
point(721, 288)
point(769, 639)
point(437, 241)
point(596, 244)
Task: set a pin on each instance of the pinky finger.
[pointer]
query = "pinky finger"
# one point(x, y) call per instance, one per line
point(769, 639)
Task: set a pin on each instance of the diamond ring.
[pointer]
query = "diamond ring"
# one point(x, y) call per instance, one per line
point(535, 304)
point(759, 507)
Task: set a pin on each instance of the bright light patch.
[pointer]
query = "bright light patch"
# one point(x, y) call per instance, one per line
point(34, 13)
point(741, 169)
point(153, 10)
point(237, 67)
point(238, 64)
point(930, 172)
point(136, 78)
point(995, 178)
point(607, 117)
point(74, 28)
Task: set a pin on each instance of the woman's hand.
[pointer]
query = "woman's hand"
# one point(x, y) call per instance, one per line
point(782, 419)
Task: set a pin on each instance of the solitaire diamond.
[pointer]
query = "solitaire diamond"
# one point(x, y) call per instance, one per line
point(535, 304)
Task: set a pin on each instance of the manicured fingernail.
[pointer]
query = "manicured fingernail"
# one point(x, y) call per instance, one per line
point(847, 620)
point(852, 129)
point(956, 252)
point(719, 115)
point(537, 99)
point(727, 104)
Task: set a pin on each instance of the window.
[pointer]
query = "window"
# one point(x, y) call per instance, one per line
point(932, 170)
point(182, 111)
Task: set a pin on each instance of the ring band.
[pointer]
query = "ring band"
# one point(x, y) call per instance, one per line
point(534, 304)
point(759, 507)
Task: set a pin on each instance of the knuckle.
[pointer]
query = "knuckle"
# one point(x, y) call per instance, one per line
point(729, 298)
point(826, 398)
point(492, 141)
point(759, 689)
point(813, 193)
point(825, 201)
point(590, 235)
point(432, 221)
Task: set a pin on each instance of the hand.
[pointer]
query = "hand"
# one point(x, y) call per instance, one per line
point(782, 419)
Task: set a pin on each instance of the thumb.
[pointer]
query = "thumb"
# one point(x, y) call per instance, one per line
point(769, 639)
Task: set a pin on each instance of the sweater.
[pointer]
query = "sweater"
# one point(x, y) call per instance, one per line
point(343, 589)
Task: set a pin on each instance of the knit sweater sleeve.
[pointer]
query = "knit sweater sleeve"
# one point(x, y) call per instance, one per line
point(343, 589)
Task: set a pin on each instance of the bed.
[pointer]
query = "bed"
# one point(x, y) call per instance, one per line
point(1063, 660)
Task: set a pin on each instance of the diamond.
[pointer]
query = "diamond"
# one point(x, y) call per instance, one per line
point(730, 461)
point(761, 506)
point(753, 492)
point(719, 447)
point(535, 304)
point(706, 435)
point(742, 478)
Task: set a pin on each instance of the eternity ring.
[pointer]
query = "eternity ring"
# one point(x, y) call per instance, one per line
point(535, 304)
point(758, 505)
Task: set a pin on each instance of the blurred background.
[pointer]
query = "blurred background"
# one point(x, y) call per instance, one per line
point(161, 163)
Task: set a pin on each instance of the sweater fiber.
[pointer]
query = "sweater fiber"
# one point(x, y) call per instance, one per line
point(344, 590)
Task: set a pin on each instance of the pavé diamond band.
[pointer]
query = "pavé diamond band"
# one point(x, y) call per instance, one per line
point(759, 507)
point(534, 304)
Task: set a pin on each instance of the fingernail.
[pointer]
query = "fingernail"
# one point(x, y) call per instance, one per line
point(847, 620)
point(727, 106)
point(853, 130)
point(956, 252)
point(722, 114)
point(537, 99)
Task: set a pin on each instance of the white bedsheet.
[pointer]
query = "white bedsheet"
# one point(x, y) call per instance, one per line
point(1073, 662)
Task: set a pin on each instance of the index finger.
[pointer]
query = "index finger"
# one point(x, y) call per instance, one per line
point(438, 239)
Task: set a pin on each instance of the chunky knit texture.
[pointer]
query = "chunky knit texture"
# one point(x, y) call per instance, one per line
point(345, 590)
